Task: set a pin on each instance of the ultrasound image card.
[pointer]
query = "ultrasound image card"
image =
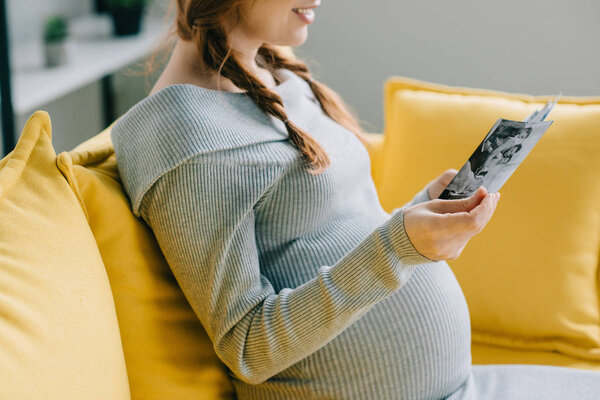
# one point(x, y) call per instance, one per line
point(497, 157)
point(540, 115)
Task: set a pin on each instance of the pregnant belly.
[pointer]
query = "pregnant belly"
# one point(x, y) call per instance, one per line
point(415, 344)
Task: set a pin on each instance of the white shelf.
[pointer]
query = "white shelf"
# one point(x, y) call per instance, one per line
point(88, 61)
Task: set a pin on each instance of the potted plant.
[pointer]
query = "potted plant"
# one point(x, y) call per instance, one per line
point(126, 15)
point(55, 33)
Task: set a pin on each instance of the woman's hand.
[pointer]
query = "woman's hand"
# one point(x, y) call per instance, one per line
point(440, 229)
point(437, 186)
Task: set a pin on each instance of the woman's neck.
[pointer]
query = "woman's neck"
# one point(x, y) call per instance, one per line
point(185, 66)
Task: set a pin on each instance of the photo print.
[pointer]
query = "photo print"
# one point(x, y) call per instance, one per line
point(500, 153)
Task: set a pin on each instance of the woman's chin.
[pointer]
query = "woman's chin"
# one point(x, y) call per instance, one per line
point(300, 36)
point(297, 38)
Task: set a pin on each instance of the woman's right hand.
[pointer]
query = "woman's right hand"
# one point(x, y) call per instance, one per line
point(440, 229)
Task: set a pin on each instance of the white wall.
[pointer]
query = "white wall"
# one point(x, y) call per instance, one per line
point(529, 46)
point(526, 46)
point(26, 17)
point(77, 116)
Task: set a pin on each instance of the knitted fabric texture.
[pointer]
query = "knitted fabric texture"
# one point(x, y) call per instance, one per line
point(306, 286)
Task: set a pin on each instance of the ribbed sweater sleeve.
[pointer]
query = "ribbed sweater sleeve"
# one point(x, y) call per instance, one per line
point(203, 217)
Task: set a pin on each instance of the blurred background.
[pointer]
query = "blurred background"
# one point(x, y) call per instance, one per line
point(81, 60)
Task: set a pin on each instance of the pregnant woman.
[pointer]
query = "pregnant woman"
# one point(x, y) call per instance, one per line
point(256, 182)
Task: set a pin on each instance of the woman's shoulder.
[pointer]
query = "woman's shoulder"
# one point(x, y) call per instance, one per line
point(184, 123)
point(208, 116)
point(204, 115)
point(181, 121)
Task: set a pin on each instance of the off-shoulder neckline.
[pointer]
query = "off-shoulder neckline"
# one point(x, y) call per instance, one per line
point(214, 92)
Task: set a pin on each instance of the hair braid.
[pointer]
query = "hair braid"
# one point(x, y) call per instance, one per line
point(218, 56)
point(204, 23)
point(331, 104)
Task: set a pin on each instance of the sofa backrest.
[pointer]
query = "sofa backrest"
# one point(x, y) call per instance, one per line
point(59, 335)
point(167, 351)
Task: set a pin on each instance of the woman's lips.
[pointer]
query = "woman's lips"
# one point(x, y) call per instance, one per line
point(305, 14)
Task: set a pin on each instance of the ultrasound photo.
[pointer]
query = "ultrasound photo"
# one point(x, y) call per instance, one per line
point(500, 153)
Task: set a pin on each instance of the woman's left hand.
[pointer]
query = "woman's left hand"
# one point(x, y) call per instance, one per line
point(437, 186)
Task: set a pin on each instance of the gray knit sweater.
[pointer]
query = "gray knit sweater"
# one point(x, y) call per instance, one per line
point(306, 286)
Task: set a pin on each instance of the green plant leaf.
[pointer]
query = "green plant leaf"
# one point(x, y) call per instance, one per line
point(55, 28)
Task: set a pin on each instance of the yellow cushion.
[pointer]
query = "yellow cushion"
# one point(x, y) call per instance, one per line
point(531, 277)
point(59, 336)
point(168, 353)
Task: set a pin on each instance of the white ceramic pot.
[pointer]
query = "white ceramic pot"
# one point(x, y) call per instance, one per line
point(55, 53)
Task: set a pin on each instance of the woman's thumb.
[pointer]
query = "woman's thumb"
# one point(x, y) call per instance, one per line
point(461, 205)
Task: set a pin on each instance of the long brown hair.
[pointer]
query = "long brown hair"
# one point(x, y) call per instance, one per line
point(204, 21)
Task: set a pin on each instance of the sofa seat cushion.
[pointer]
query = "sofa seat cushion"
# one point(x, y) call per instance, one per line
point(168, 353)
point(59, 335)
point(486, 354)
point(531, 277)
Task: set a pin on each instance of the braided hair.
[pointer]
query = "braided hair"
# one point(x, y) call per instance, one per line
point(202, 22)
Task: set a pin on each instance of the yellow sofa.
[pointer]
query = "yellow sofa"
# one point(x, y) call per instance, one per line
point(88, 302)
